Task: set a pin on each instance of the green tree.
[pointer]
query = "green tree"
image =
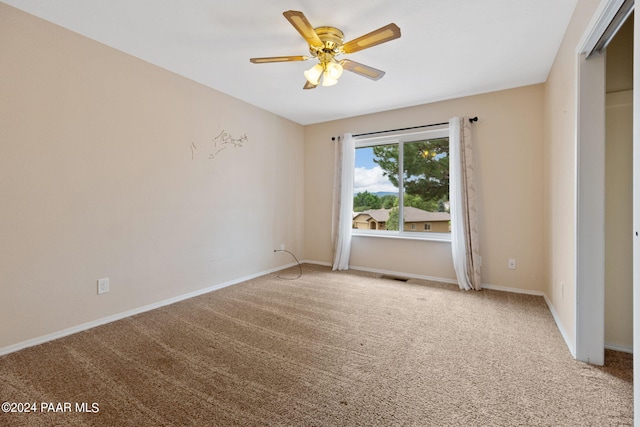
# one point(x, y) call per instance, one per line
point(364, 201)
point(389, 201)
point(393, 221)
point(420, 203)
point(426, 168)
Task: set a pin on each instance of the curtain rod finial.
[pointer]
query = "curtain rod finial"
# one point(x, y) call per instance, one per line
point(473, 119)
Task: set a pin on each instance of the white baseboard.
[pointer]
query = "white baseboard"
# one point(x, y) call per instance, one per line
point(622, 348)
point(83, 327)
point(567, 341)
point(512, 290)
point(556, 318)
point(309, 261)
point(402, 274)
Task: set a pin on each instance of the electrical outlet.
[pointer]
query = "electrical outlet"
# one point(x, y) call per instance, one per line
point(103, 286)
point(512, 264)
point(282, 247)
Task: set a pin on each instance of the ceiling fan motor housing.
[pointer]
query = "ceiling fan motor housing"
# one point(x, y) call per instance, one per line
point(332, 39)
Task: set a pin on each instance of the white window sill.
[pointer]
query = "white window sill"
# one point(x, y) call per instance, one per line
point(431, 237)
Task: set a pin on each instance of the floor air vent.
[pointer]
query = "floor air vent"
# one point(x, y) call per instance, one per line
point(397, 278)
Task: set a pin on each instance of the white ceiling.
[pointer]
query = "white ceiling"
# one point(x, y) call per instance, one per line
point(448, 48)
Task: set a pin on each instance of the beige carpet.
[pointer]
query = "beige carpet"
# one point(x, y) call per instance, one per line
point(328, 349)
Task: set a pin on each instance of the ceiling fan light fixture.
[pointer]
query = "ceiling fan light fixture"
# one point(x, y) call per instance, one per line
point(313, 74)
point(327, 80)
point(333, 70)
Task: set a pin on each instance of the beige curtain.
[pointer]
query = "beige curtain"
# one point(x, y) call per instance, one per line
point(464, 215)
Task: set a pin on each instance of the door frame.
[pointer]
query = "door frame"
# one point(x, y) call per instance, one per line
point(589, 205)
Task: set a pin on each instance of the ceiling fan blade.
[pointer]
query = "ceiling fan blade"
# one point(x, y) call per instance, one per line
point(361, 69)
point(278, 59)
point(300, 22)
point(309, 85)
point(376, 37)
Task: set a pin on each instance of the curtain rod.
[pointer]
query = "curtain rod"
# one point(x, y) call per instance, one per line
point(472, 119)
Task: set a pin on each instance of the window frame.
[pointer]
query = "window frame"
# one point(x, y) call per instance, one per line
point(400, 138)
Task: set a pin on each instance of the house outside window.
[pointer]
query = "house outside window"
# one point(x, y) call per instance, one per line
point(401, 185)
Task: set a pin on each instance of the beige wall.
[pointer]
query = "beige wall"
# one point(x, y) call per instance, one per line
point(508, 143)
point(619, 221)
point(620, 59)
point(619, 191)
point(99, 178)
point(559, 158)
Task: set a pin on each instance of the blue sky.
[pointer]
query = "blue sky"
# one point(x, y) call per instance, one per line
point(368, 175)
point(364, 158)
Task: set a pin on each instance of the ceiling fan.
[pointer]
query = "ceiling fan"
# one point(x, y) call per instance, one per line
point(325, 44)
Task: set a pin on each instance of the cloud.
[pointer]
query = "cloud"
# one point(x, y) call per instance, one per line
point(371, 180)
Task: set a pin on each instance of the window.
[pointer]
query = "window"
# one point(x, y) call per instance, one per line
point(414, 202)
